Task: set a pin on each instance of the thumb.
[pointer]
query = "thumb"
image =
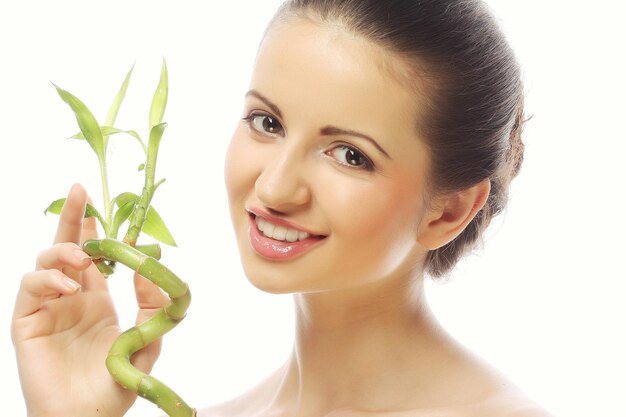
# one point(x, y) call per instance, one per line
point(150, 299)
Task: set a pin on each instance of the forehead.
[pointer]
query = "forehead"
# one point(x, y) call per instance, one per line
point(330, 76)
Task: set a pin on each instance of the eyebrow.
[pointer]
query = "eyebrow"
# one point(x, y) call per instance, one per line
point(265, 100)
point(327, 130)
point(335, 131)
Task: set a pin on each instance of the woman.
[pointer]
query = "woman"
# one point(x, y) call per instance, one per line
point(377, 141)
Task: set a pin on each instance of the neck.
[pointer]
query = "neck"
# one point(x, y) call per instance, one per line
point(357, 346)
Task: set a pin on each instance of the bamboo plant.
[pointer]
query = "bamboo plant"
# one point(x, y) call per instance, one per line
point(144, 259)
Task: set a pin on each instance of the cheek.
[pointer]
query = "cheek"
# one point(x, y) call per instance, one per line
point(376, 224)
point(238, 167)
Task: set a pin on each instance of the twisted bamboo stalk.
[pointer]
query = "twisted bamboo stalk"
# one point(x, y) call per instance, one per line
point(144, 259)
point(136, 338)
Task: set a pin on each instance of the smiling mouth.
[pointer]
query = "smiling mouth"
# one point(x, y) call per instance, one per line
point(281, 233)
point(279, 240)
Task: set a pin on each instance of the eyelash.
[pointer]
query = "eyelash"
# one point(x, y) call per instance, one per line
point(367, 164)
point(249, 119)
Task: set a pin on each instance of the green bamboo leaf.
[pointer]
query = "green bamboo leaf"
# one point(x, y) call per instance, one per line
point(159, 100)
point(121, 215)
point(90, 211)
point(86, 121)
point(156, 133)
point(124, 198)
point(115, 106)
point(106, 268)
point(117, 101)
point(154, 225)
point(109, 130)
point(158, 184)
point(55, 207)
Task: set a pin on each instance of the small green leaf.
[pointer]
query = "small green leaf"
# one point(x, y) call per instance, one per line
point(141, 167)
point(108, 130)
point(115, 106)
point(106, 268)
point(55, 207)
point(117, 101)
point(90, 211)
point(158, 184)
point(154, 225)
point(159, 100)
point(86, 121)
point(124, 198)
point(121, 215)
point(156, 133)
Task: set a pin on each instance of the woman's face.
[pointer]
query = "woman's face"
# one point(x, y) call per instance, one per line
point(326, 161)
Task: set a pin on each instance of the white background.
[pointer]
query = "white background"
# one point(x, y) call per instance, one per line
point(543, 302)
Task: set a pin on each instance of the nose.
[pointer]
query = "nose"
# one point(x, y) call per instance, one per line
point(282, 185)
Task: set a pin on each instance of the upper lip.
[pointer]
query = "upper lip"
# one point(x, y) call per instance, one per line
point(278, 221)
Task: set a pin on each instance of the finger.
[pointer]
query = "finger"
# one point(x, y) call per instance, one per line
point(93, 280)
point(90, 230)
point(149, 296)
point(63, 255)
point(39, 285)
point(71, 219)
point(145, 358)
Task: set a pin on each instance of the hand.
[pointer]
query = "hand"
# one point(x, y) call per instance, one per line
point(64, 323)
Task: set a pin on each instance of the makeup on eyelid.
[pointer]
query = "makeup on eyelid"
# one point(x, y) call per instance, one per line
point(364, 162)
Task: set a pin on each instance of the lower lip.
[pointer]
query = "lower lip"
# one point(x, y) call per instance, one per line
point(278, 250)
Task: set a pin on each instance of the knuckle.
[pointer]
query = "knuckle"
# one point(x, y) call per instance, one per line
point(65, 246)
point(26, 278)
point(34, 279)
point(42, 255)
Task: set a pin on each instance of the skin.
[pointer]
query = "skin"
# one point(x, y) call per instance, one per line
point(366, 342)
point(63, 312)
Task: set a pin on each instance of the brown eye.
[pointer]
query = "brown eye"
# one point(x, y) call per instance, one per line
point(265, 123)
point(347, 155)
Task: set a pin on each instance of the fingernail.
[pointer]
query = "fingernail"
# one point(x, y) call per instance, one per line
point(71, 284)
point(80, 255)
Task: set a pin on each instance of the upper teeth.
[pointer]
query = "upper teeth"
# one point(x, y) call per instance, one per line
point(274, 231)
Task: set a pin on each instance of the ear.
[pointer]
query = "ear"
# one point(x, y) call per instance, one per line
point(452, 213)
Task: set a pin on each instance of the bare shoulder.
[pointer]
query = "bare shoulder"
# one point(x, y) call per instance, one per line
point(237, 407)
point(495, 408)
point(509, 402)
point(531, 410)
point(496, 396)
point(252, 403)
point(226, 409)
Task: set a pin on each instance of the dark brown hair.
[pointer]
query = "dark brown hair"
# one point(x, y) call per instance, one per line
point(475, 93)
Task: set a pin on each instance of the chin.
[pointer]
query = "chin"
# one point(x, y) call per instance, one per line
point(265, 276)
point(282, 277)
point(269, 286)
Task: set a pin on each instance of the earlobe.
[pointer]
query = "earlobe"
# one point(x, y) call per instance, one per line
point(452, 214)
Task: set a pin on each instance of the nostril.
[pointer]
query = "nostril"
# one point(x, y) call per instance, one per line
point(275, 212)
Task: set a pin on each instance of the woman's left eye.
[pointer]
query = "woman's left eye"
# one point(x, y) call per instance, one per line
point(264, 123)
point(347, 155)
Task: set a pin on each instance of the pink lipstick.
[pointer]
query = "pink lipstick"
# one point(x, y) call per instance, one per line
point(279, 250)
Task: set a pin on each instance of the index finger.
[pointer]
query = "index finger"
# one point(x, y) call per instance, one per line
point(71, 219)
